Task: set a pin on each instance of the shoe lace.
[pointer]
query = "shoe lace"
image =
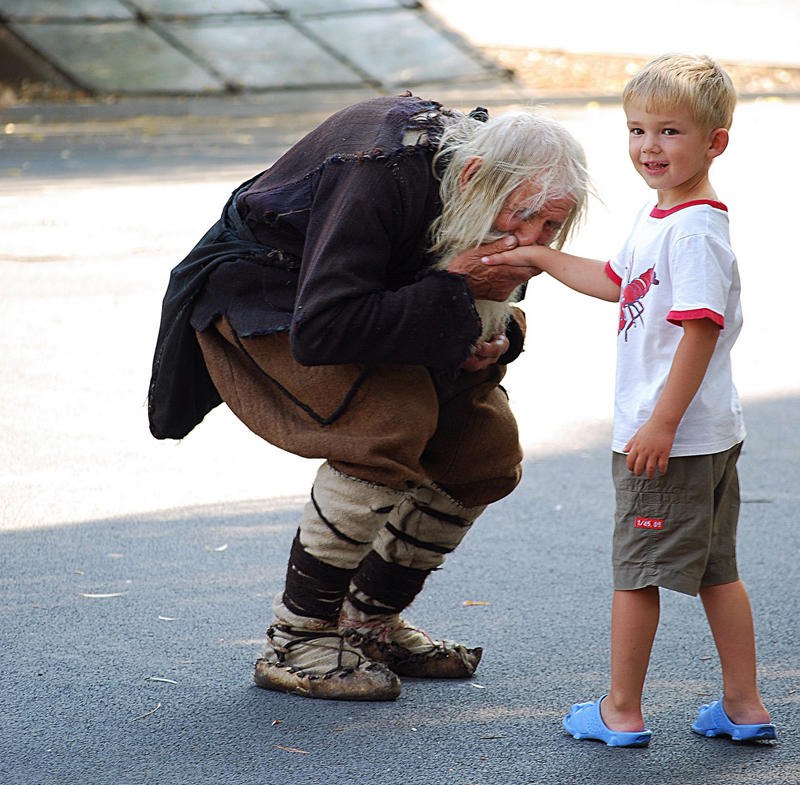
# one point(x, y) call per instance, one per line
point(317, 639)
point(390, 631)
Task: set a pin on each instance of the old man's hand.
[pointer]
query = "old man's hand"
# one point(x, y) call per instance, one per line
point(488, 282)
point(486, 353)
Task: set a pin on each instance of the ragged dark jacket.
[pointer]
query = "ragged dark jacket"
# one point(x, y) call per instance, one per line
point(329, 244)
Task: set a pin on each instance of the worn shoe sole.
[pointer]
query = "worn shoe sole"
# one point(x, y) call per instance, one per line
point(373, 682)
point(446, 663)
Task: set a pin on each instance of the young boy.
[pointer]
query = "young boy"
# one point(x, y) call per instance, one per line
point(678, 426)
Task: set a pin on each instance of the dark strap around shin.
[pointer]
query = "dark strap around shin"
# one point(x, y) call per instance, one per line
point(314, 588)
point(392, 585)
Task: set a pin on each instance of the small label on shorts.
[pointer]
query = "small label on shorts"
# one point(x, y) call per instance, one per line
point(649, 523)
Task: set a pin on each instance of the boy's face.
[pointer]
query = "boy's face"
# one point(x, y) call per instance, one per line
point(672, 152)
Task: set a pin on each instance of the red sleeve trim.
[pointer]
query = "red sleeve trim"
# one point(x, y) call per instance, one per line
point(612, 275)
point(676, 317)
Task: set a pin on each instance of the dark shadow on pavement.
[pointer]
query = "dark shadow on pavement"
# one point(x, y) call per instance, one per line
point(128, 647)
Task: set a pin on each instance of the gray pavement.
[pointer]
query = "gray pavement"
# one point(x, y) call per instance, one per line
point(151, 684)
point(136, 576)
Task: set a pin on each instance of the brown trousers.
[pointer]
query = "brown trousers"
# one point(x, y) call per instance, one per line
point(395, 425)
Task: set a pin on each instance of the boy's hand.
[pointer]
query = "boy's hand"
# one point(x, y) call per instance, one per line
point(485, 282)
point(523, 256)
point(648, 450)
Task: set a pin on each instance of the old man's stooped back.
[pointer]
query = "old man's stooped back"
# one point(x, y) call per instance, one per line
point(336, 307)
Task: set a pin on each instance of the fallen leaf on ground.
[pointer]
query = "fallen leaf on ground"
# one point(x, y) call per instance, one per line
point(148, 713)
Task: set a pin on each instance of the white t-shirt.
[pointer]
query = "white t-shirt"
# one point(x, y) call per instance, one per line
point(677, 264)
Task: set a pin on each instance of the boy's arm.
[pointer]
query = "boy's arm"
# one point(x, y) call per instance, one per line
point(650, 446)
point(587, 276)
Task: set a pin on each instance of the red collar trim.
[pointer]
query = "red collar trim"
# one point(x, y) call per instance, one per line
point(656, 212)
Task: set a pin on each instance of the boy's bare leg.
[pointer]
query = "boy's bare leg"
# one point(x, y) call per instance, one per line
point(727, 607)
point(634, 621)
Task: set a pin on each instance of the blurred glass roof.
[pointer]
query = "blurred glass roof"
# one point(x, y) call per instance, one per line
point(212, 46)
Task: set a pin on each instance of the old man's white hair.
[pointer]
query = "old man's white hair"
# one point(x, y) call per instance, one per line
point(514, 148)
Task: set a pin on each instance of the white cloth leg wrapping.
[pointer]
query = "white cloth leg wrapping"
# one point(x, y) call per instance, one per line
point(344, 514)
point(426, 526)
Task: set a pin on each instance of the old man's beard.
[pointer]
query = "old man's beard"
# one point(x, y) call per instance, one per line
point(494, 315)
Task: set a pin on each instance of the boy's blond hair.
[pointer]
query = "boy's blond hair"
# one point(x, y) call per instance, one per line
point(695, 83)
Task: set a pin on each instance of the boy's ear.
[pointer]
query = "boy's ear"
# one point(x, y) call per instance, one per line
point(718, 142)
point(469, 171)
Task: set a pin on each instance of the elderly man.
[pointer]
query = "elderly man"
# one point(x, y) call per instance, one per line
point(336, 308)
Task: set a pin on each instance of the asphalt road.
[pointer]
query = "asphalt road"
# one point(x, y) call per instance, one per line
point(136, 576)
point(152, 684)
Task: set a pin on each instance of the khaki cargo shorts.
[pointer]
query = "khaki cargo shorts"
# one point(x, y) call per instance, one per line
point(677, 531)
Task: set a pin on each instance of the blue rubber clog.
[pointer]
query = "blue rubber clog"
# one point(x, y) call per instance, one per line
point(584, 721)
point(713, 721)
